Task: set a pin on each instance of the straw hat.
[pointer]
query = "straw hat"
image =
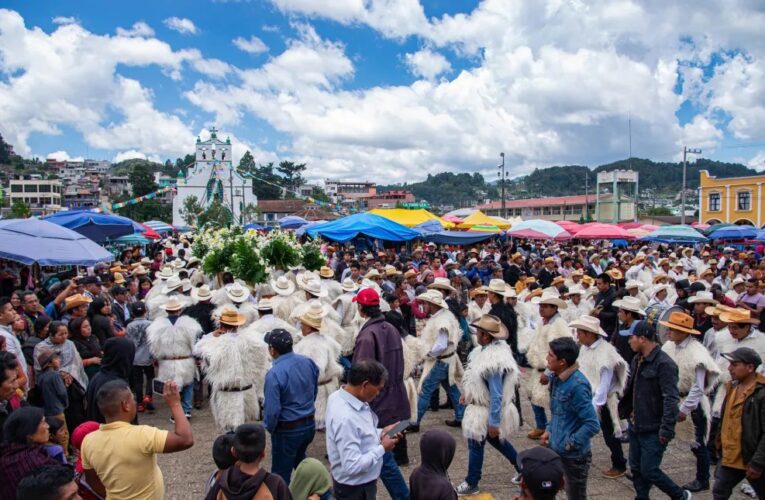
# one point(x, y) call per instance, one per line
point(659, 277)
point(481, 290)
point(558, 280)
point(265, 305)
point(314, 288)
point(202, 293)
point(145, 261)
point(232, 318)
point(738, 316)
point(550, 299)
point(172, 305)
point(687, 251)
point(443, 284)
point(165, 273)
point(314, 314)
point(706, 271)
point(348, 285)
point(497, 286)
point(588, 280)
point(173, 283)
point(702, 298)
point(283, 286)
point(76, 300)
point(304, 277)
point(629, 304)
point(178, 264)
point(192, 260)
point(410, 274)
point(392, 271)
point(140, 271)
point(374, 273)
point(510, 292)
point(433, 297)
point(326, 272)
point(738, 280)
point(615, 274)
point(659, 288)
point(119, 279)
point(533, 294)
point(237, 293)
point(681, 322)
point(589, 324)
point(491, 325)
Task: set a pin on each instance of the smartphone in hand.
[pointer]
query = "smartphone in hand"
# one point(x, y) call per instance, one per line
point(157, 386)
point(399, 428)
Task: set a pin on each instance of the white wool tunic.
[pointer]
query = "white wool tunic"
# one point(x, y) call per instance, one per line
point(324, 351)
point(592, 361)
point(443, 319)
point(537, 357)
point(172, 346)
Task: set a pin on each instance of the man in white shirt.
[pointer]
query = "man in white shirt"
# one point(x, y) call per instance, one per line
point(355, 446)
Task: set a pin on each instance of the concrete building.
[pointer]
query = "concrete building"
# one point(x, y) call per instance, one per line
point(270, 211)
point(339, 191)
point(213, 177)
point(553, 208)
point(735, 200)
point(118, 185)
point(388, 199)
point(42, 196)
point(621, 203)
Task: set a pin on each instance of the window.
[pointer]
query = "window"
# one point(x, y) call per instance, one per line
point(537, 211)
point(744, 200)
point(556, 210)
point(714, 202)
point(30, 188)
point(45, 188)
point(16, 188)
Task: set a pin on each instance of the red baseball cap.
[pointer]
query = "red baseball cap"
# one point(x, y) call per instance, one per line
point(367, 297)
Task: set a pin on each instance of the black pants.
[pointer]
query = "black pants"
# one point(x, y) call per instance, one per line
point(400, 451)
point(367, 491)
point(618, 461)
point(137, 376)
point(576, 471)
point(726, 478)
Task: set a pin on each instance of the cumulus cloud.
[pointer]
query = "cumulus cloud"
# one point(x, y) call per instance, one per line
point(182, 25)
point(63, 156)
point(130, 154)
point(252, 45)
point(139, 29)
point(60, 20)
point(427, 64)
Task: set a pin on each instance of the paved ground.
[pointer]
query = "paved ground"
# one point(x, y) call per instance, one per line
point(185, 473)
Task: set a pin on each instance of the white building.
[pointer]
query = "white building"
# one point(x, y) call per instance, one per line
point(42, 196)
point(213, 176)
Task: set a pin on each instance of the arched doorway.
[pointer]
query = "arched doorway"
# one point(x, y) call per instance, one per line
point(744, 222)
point(712, 222)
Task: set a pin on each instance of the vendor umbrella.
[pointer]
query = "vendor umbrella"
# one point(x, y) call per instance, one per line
point(150, 233)
point(675, 234)
point(159, 226)
point(292, 222)
point(734, 233)
point(97, 226)
point(132, 239)
point(599, 231)
point(569, 225)
point(48, 244)
point(549, 229)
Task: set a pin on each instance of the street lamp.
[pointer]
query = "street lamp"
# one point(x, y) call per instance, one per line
point(501, 174)
point(686, 152)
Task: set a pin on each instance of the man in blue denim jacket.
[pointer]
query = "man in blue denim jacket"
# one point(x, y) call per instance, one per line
point(574, 421)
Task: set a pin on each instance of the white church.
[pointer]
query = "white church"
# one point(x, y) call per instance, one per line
point(214, 176)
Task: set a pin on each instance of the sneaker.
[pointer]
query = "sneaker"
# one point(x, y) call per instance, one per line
point(535, 434)
point(613, 473)
point(413, 428)
point(453, 423)
point(188, 415)
point(172, 420)
point(696, 486)
point(465, 489)
point(140, 408)
point(747, 490)
point(150, 407)
point(517, 478)
point(687, 495)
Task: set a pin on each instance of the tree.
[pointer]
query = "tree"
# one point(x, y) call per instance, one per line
point(250, 213)
point(318, 194)
point(266, 185)
point(20, 210)
point(217, 215)
point(141, 177)
point(5, 158)
point(292, 176)
point(191, 210)
point(654, 211)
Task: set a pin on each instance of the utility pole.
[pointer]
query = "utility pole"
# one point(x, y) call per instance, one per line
point(502, 175)
point(587, 195)
point(686, 151)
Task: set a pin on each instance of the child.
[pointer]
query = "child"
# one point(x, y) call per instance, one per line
point(52, 390)
point(221, 452)
point(56, 428)
point(78, 436)
point(143, 363)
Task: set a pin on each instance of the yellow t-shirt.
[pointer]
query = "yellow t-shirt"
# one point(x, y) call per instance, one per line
point(123, 456)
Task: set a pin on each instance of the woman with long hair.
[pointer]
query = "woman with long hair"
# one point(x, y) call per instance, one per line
point(99, 315)
point(81, 334)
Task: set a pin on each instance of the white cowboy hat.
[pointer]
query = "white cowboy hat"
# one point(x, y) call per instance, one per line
point(738, 280)
point(443, 284)
point(629, 304)
point(702, 297)
point(575, 290)
point(659, 288)
point(232, 318)
point(283, 286)
point(550, 299)
point(202, 293)
point(433, 297)
point(510, 292)
point(348, 285)
point(146, 261)
point(237, 293)
point(632, 284)
point(265, 305)
point(167, 244)
point(178, 264)
point(305, 277)
point(165, 273)
point(186, 285)
point(588, 323)
point(314, 314)
point(374, 273)
point(497, 286)
point(173, 304)
point(192, 260)
point(173, 283)
point(314, 288)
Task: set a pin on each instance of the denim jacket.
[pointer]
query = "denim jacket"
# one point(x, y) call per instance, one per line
point(574, 421)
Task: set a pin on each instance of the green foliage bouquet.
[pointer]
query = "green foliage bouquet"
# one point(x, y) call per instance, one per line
point(280, 250)
point(231, 250)
point(312, 256)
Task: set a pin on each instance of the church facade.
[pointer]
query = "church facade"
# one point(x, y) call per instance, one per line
point(214, 177)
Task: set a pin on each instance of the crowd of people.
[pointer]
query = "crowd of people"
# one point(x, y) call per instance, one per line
point(622, 342)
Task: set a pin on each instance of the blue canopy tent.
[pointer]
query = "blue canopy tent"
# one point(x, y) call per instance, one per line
point(159, 226)
point(675, 234)
point(458, 237)
point(132, 239)
point(734, 233)
point(292, 222)
point(429, 227)
point(302, 230)
point(34, 240)
point(256, 227)
point(97, 226)
point(365, 224)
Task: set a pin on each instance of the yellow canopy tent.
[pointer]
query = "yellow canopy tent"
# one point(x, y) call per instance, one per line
point(479, 218)
point(410, 218)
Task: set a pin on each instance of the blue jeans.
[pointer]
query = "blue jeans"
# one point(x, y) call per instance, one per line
point(187, 394)
point(288, 448)
point(540, 418)
point(646, 453)
point(475, 457)
point(439, 372)
point(393, 479)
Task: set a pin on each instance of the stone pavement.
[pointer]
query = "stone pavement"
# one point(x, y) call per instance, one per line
point(186, 473)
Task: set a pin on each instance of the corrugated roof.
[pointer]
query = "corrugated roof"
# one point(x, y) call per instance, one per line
point(544, 202)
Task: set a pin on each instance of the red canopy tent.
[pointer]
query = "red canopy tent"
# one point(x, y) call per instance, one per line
point(569, 225)
point(150, 233)
point(599, 231)
point(538, 235)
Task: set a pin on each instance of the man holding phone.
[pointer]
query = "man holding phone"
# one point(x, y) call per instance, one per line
point(355, 445)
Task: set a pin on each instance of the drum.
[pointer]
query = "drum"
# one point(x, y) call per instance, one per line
point(657, 313)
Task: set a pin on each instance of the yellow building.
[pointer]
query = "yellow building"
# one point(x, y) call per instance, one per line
point(736, 200)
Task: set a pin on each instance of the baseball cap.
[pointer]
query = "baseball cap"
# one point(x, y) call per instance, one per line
point(279, 339)
point(542, 471)
point(643, 329)
point(90, 280)
point(745, 355)
point(139, 308)
point(696, 287)
point(367, 297)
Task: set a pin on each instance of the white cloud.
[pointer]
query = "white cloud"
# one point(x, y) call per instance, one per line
point(130, 154)
point(139, 29)
point(63, 156)
point(65, 20)
point(427, 64)
point(181, 25)
point(253, 45)
point(270, 28)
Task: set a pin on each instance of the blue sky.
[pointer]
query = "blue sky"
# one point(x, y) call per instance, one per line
point(385, 90)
